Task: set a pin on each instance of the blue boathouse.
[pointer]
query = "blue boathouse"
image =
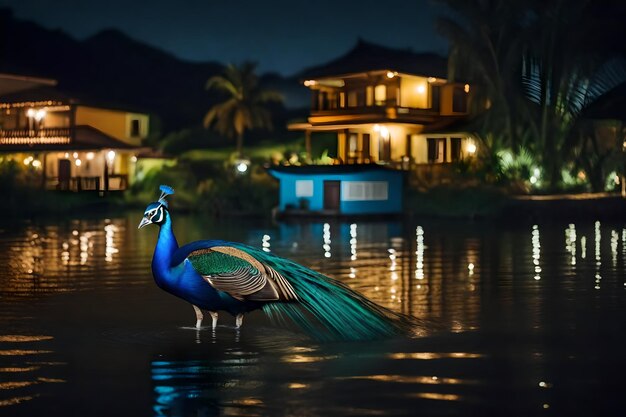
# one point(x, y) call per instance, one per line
point(339, 189)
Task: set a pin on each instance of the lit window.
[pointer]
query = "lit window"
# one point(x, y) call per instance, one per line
point(380, 94)
point(364, 190)
point(369, 95)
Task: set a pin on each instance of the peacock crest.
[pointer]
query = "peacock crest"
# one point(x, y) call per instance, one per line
point(165, 191)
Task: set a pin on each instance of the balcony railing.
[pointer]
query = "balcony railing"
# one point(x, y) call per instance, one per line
point(45, 136)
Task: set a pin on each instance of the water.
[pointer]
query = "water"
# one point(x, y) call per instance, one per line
point(525, 319)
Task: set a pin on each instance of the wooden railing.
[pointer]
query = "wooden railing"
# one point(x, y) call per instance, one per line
point(117, 182)
point(52, 135)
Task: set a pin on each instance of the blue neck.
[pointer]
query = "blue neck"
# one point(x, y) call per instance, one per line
point(165, 247)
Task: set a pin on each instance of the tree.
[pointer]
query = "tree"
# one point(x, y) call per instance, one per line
point(539, 64)
point(245, 104)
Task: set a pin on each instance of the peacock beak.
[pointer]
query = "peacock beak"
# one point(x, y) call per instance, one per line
point(144, 222)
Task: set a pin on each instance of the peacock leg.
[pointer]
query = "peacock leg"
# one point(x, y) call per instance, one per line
point(239, 320)
point(199, 316)
point(214, 317)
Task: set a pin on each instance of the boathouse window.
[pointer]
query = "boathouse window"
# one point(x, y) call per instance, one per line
point(364, 190)
point(304, 188)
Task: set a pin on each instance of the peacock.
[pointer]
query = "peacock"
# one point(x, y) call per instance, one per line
point(216, 275)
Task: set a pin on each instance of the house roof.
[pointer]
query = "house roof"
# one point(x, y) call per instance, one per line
point(11, 83)
point(51, 93)
point(366, 56)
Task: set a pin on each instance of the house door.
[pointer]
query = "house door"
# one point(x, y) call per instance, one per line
point(384, 149)
point(331, 195)
point(65, 173)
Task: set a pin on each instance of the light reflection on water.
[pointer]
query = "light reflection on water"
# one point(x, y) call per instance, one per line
point(525, 319)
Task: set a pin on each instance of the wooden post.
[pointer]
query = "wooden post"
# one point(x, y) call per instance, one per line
point(106, 173)
point(43, 173)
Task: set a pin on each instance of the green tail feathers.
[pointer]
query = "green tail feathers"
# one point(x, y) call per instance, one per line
point(340, 313)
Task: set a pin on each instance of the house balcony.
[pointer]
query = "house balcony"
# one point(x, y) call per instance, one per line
point(380, 114)
point(29, 137)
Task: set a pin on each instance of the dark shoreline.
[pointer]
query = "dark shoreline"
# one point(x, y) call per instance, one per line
point(505, 208)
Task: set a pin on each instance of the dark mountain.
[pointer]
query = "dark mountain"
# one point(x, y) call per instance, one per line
point(111, 67)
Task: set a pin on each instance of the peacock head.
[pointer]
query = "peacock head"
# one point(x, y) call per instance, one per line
point(155, 213)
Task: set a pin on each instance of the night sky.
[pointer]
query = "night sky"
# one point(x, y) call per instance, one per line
point(283, 36)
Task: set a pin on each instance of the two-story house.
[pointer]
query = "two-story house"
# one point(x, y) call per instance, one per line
point(391, 110)
point(75, 143)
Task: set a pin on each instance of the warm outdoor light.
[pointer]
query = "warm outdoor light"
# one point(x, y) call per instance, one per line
point(78, 162)
point(421, 89)
point(241, 166)
point(133, 158)
point(30, 113)
point(431, 79)
point(41, 113)
point(471, 148)
point(309, 83)
point(111, 156)
point(36, 163)
point(90, 156)
point(391, 74)
point(377, 128)
point(384, 132)
point(28, 160)
point(75, 155)
point(466, 88)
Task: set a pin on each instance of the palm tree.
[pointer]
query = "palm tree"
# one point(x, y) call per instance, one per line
point(245, 107)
